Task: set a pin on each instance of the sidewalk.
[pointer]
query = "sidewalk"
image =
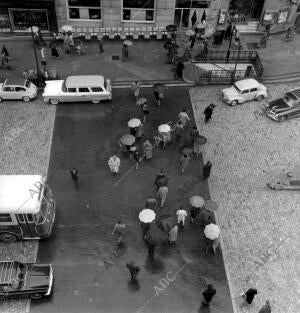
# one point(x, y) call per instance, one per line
point(147, 59)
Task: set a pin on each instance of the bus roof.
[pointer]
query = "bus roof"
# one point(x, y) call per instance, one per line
point(20, 194)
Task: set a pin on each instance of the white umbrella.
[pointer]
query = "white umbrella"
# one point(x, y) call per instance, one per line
point(164, 128)
point(67, 28)
point(211, 205)
point(197, 201)
point(147, 216)
point(35, 29)
point(212, 231)
point(134, 122)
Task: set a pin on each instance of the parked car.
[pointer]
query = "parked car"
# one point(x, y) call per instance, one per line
point(244, 90)
point(17, 89)
point(285, 107)
point(79, 88)
point(25, 280)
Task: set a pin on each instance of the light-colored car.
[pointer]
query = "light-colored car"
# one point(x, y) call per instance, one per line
point(17, 89)
point(78, 88)
point(244, 90)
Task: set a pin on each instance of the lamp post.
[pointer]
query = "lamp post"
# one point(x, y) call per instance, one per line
point(230, 41)
point(237, 58)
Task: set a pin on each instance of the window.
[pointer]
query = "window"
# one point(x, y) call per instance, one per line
point(9, 89)
point(83, 89)
point(21, 218)
point(192, 4)
point(22, 19)
point(245, 91)
point(84, 9)
point(138, 10)
point(29, 218)
point(253, 89)
point(5, 218)
point(97, 89)
point(71, 89)
point(20, 89)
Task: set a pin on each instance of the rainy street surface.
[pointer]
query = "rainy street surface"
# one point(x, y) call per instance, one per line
point(90, 272)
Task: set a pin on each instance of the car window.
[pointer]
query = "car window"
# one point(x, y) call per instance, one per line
point(253, 89)
point(20, 89)
point(9, 88)
point(71, 89)
point(245, 91)
point(27, 83)
point(97, 89)
point(5, 218)
point(83, 89)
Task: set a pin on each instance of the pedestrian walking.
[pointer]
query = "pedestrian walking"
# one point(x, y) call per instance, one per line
point(184, 162)
point(74, 175)
point(119, 229)
point(158, 96)
point(183, 117)
point(125, 53)
point(161, 179)
point(161, 194)
point(194, 213)
point(178, 130)
point(266, 308)
point(100, 44)
point(151, 203)
point(181, 215)
point(228, 31)
point(54, 52)
point(4, 51)
point(4, 62)
point(208, 294)
point(151, 249)
point(173, 234)
point(114, 164)
point(145, 228)
point(138, 157)
point(249, 295)
point(133, 270)
point(67, 48)
point(139, 132)
point(148, 150)
point(215, 244)
point(206, 170)
point(192, 40)
point(136, 89)
point(179, 70)
point(208, 112)
point(146, 112)
point(289, 34)
point(204, 217)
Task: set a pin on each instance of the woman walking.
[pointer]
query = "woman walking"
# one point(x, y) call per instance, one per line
point(148, 148)
point(136, 89)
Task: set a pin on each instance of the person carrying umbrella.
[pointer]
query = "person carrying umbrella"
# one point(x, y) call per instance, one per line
point(184, 162)
point(194, 211)
point(178, 130)
point(148, 148)
point(208, 111)
point(137, 155)
point(206, 170)
point(249, 295)
point(183, 117)
point(114, 164)
point(208, 294)
point(125, 52)
point(161, 179)
point(151, 203)
point(133, 270)
point(120, 229)
point(139, 132)
point(136, 89)
point(173, 234)
point(162, 194)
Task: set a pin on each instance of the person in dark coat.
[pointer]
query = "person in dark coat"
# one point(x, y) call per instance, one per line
point(133, 270)
point(208, 111)
point(208, 294)
point(125, 53)
point(4, 51)
point(151, 248)
point(228, 31)
point(101, 45)
point(145, 229)
point(179, 70)
point(192, 40)
point(266, 308)
point(194, 213)
point(249, 295)
point(206, 170)
point(161, 179)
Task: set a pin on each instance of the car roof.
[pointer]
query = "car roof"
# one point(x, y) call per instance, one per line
point(19, 81)
point(295, 92)
point(247, 83)
point(84, 81)
point(19, 194)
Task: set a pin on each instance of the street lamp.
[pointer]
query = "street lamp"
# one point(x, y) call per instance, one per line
point(234, 31)
point(237, 58)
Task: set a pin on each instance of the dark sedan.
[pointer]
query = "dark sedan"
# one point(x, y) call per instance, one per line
point(25, 280)
point(286, 107)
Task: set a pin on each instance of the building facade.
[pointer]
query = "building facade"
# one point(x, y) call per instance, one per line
point(49, 15)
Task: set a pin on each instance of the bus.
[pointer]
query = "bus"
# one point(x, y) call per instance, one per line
point(27, 208)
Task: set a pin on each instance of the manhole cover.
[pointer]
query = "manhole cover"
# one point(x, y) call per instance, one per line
point(115, 57)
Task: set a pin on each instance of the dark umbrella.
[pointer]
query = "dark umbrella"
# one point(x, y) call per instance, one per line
point(171, 28)
point(155, 235)
point(166, 223)
point(194, 18)
point(159, 87)
point(203, 17)
point(200, 140)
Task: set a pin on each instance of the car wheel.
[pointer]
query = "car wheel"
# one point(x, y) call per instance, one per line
point(282, 118)
point(96, 101)
point(36, 296)
point(26, 99)
point(260, 97)
point(234, 103)
point(54, 101)
point(8, 237)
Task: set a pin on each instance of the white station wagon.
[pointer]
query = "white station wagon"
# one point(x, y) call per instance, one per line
point(244, 90)
point(78, 88)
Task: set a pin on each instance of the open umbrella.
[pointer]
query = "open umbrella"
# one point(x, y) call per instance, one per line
point(212, 231)
point(128, 42)
point(155, 235)
point(127, 140)
point(190, 32)
point(67, 28)
point(134, 122)
point(164, 128)
point(141, 101)
point(211, 205)
point(171, 28)
point(200, 140)
point(159, 87)
point(147, 216)
point(197, 201)
point(166, 223)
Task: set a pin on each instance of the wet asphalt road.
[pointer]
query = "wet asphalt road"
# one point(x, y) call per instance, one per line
point(89, 271)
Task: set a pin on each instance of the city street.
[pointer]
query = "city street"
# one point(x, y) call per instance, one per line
point(89, 276)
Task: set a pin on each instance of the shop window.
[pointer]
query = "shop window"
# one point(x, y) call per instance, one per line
point(84, 9)
point(4, 21)
point(138, 10)
point(192, 4)
point(22, 19)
